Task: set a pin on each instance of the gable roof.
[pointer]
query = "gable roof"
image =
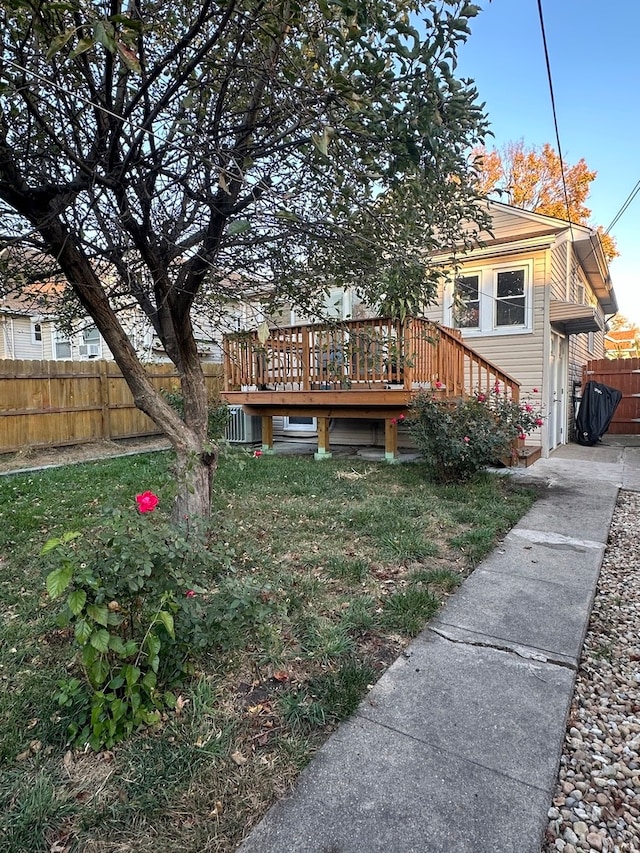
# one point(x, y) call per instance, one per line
point(587, 246)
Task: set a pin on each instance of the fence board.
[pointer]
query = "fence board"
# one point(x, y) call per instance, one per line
point(623, 374)
point(58, 403)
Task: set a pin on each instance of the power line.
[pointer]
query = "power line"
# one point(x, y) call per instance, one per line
point(625, 205)
point(555, 116)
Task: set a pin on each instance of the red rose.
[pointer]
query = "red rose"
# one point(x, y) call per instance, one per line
point(147, 502)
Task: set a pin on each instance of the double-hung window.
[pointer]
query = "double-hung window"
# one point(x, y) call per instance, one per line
point(492, 300)
point(466, 306)
point(510, 308)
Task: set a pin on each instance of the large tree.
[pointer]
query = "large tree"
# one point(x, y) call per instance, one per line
point(535, 178)
point(151, 148)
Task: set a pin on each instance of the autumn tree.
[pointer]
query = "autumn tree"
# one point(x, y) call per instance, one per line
point(168, 154)
point(532, 178)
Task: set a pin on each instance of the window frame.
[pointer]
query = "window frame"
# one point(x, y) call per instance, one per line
point(36, 329)
point(60, 338)
point(488, 300)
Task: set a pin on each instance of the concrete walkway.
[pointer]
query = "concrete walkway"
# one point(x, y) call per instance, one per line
point(457, 746)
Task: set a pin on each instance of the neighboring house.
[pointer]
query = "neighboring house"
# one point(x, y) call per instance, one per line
point(623, 343)
point(532, 298)
point(28, 331)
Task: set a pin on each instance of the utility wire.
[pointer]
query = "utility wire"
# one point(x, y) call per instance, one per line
point(555, 115)
point(625, 205)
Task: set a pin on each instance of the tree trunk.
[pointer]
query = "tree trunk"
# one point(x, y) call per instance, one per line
point(194, 475)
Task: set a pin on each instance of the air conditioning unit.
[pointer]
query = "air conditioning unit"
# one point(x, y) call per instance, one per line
point(243, 428)
point(89, 350)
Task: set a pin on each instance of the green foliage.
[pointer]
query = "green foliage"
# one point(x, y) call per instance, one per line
point(459, 437)
point(132, 600)
point(217, 417)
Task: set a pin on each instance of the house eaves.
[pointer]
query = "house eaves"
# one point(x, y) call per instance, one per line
point(591, 257)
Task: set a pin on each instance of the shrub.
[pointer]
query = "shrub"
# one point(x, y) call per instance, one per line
point(459, 437)
point(133, 600)
point(218, 416)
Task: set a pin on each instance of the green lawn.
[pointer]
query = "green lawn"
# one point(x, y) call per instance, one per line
point(336, 566)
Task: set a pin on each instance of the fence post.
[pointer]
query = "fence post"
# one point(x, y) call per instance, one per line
point(105, 401)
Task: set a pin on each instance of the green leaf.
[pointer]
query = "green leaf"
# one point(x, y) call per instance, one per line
point(149, 681)
point(116, 645)
point(238, 227)
point(103, 33)
point(83, 46)
point(131, 674)
point(59, 42)
point(167, 621)
point(99, 671)
point(76, 601)
point(100, 640)
point(99, 614)
point(56, 541)
point(59, 579)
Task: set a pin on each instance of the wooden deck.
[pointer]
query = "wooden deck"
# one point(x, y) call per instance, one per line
point(354, 369)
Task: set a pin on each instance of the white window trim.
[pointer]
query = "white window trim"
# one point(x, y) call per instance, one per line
point(287, 426)
point(59, 338)
point(35, 321)
point(487, 286)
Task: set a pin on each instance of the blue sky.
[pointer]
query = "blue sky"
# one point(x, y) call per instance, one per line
point(594, 53)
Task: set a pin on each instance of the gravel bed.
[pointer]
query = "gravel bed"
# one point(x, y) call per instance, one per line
point(596, 806)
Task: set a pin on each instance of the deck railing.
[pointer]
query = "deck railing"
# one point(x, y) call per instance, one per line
point(376, 353)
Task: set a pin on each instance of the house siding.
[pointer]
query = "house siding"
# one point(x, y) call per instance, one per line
point(558, 278)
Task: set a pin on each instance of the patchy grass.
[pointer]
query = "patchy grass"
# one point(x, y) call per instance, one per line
point(334, 566)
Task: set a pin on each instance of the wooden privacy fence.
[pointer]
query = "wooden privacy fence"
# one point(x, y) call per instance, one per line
point(57, 403)
point(623, 374)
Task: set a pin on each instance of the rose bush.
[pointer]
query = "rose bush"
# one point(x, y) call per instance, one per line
point(133, 597)
point(459, 437)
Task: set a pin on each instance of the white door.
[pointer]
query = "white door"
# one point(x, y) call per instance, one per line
point(557, 414)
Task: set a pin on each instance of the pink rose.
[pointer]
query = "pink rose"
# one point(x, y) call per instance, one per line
point(481, 398)
point(190, 594)
point(400, 417)
point(528, 407)
point(147, 501)
point(535, 390)
point(522, 436)
point(394, 420)
point(438, 384)
point(257, 453)
point(539, 421)
point(466, 439)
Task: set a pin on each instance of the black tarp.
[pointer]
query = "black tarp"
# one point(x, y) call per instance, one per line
point(597, 407)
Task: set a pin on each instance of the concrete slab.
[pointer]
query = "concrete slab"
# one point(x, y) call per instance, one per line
point(370, 790)
point(631, 469)
point(486, 706)
point(576, 507)
point(550, 557)
point(511, 610)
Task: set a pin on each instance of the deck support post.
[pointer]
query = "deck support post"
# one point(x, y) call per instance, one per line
point(267, 434)
point(324, 451)
point(391, 439)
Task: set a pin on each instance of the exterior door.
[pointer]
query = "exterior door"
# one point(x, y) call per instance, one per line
point(557, 408)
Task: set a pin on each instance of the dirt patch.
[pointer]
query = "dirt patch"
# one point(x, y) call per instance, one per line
point(47, 457)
